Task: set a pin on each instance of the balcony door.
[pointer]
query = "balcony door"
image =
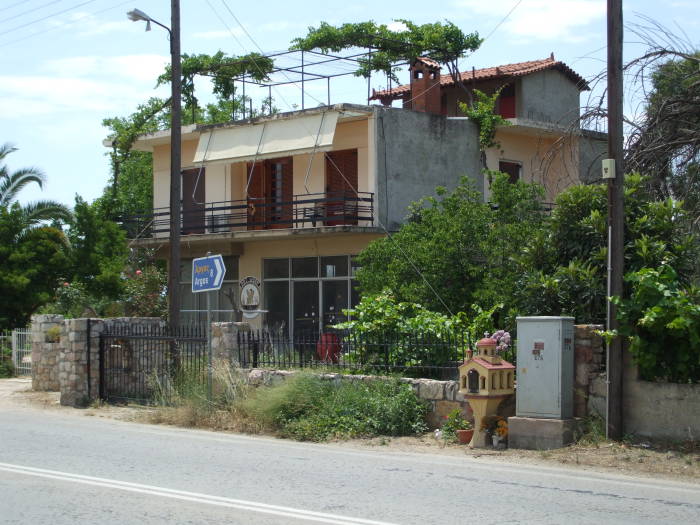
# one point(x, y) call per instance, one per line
point(193, 201)
point(270, 194)
point(341, 187)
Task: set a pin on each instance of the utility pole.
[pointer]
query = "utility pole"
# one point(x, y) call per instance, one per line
point(616, 217)
point(175, 163)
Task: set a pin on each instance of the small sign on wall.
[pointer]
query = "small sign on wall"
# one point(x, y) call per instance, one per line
point(250, 297)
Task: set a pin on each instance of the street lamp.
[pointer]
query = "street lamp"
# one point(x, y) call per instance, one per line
point(136, 15)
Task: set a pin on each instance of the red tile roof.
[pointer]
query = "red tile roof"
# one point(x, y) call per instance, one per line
point(499, 72)
point(503, 365)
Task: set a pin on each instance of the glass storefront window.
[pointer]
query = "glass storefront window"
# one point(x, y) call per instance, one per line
point(275, 268)
point(277, 305)
point(334, 266)
point(354, 266)
point(305, 267)
point(335, 300)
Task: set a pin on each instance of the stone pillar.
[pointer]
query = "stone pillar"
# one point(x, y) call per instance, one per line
point(96, 326)
point(46, 334)
point(224, 343)
point(72, 371)
point(589, 355)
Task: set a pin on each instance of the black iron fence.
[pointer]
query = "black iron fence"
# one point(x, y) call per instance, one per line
point(149, 362)
point(145, 362)
point(411, 354)
point(304, 210)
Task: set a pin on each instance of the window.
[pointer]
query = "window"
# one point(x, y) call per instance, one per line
point(306, 295)
point(512, 169)
point(506, 102)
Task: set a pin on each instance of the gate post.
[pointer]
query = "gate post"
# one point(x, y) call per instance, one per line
point(79, 381)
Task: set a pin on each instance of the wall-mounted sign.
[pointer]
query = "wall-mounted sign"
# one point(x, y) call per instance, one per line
point(250, 297)
point(538, 350)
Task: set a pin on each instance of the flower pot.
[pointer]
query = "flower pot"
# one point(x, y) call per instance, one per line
point(465, 436)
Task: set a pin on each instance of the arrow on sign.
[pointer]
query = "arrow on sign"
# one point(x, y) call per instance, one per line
point(219, 277)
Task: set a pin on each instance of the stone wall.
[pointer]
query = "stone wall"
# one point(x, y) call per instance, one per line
point(47, 333)
point(589, 361)
point(442, 397)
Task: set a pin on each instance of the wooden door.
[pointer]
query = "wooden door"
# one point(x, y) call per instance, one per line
point(193, 201)
point(341, 187)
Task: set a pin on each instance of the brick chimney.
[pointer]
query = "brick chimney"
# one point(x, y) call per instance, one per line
point(425, 86)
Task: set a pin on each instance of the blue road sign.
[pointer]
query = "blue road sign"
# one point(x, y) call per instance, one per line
point(207, 273)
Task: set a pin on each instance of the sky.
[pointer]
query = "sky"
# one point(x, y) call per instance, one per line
point(65, 65)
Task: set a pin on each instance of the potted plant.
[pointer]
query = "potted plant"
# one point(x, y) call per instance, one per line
point(457, 428)
point(496, 428)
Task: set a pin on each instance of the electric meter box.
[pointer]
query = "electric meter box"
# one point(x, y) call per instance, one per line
point(545, 367)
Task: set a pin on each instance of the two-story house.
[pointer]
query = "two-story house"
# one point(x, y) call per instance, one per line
point(290, 199)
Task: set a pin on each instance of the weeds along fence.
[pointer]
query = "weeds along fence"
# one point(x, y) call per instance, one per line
point(151, 362)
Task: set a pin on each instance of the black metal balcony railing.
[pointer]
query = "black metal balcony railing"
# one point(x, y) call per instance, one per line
point(305, 210)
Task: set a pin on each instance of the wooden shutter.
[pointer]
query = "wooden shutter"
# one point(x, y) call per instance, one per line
point(279, 192)
point(341, 187)
point(193, 201)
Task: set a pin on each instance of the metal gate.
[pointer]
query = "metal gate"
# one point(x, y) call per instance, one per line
point(145, 363)
point(19, 342)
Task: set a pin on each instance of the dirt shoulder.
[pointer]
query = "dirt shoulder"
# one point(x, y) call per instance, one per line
point(677, 461)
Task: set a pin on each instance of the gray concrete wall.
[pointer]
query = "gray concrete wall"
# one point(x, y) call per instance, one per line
point(659, 410)
point(593, 147)
point(547, 96)
point(416, 152)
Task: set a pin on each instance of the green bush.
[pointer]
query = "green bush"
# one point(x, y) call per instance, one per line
point(309, 408)
point(661, 318)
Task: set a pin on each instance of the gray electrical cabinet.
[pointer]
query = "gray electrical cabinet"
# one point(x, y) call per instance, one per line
point(545, 371)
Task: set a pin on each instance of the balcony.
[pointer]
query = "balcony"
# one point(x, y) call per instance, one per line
point(311, 210)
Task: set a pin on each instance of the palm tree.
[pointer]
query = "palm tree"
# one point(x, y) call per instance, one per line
point(32, 214)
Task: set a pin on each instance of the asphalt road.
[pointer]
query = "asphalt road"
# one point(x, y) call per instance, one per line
point(56, 468)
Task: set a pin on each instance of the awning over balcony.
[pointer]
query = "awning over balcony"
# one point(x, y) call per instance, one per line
point(273, 138)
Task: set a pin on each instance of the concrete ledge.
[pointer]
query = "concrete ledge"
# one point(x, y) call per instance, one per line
point(540, 434)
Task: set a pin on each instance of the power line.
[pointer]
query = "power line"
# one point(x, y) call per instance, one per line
point(261, 51)
point(29, 11)
point(17, 28)
point(503, 20)
point(13, 5)
point(65, 25)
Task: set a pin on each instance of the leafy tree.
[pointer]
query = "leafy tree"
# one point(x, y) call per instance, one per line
point(33, 215)
point(32, 262)
point(32, 254)
point(466, 250)
point(98, 251)
point(665, 145)
point(564, 270)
